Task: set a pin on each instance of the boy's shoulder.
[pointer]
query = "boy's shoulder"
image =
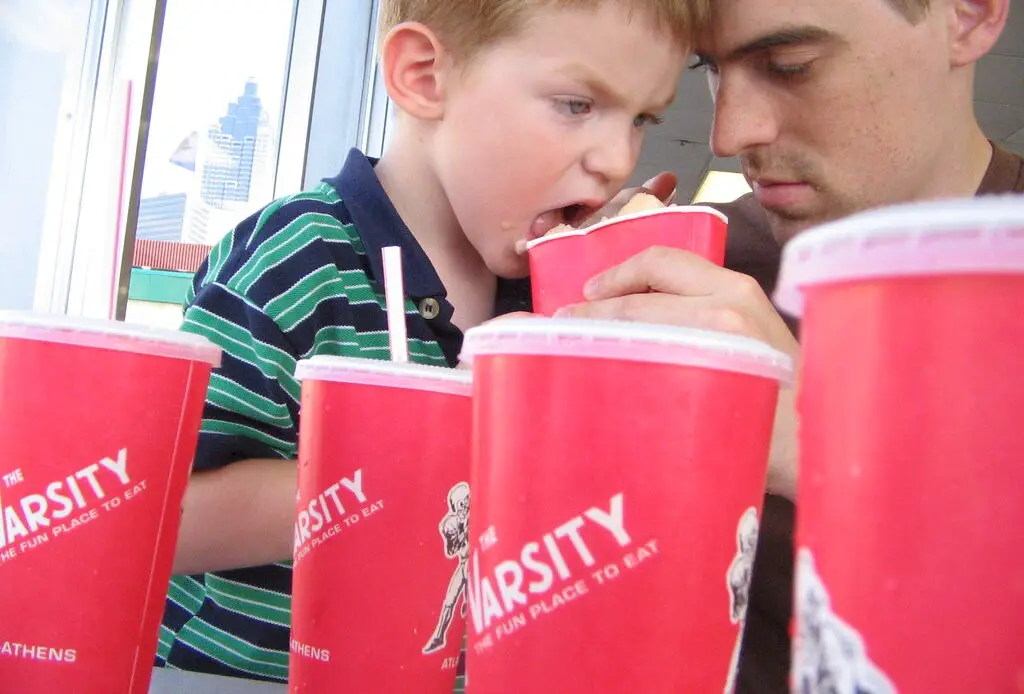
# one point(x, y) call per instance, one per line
point(293, 234)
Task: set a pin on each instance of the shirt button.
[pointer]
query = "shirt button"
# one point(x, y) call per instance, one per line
point(430, 308)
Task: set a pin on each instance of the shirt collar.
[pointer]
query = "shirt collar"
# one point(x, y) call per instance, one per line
point(380, 225)
point(1005, 173)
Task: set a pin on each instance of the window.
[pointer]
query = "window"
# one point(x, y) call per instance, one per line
point(46, 78)
point(721, 186)
point(118, 172)
point(216, 120)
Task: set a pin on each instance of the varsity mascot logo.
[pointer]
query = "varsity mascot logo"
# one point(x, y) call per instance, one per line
point(454, 529)
point(737, 578)
point(830, 657)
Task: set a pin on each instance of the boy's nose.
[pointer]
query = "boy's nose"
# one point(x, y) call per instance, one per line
point(612, 159)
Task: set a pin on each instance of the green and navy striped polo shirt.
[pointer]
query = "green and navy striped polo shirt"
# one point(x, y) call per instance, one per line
point(302, 277)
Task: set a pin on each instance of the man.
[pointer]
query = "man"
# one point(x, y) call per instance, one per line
point(833, 107)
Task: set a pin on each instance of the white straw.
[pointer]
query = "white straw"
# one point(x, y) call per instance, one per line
point(394, 297)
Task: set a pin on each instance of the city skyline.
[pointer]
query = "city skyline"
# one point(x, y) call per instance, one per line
point(223, 167)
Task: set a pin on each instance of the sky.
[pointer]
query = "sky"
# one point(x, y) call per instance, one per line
point(209, 49)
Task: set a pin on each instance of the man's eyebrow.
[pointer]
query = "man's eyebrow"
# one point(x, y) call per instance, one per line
point(785, 36)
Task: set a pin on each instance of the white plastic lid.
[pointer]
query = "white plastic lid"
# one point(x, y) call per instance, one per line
point(377, 372)
point(982, 235)
point(641, 342)
point(107, 334)
point(671, 209)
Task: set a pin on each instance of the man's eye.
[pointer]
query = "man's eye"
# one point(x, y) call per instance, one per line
point(703, 64)
point(645, 119)
point(788, 71)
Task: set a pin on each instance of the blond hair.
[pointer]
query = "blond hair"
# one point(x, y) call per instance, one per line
point(466, 26)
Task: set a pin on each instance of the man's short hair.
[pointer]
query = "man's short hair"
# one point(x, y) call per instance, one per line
point(912, 9)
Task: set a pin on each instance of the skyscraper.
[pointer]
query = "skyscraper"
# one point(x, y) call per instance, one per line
point(239, 142)
point(198, 229)
point(233, 168)
point(161, 217)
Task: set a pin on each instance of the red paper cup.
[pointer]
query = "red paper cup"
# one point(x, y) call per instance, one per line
point(909, 531)
point(98, 426)
point(381, 527)
point(560, 264)
point(618, 475)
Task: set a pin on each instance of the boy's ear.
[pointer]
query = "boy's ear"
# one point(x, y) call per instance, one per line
point(414, 63)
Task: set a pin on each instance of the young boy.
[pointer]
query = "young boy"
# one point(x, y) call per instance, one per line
point(514, 116)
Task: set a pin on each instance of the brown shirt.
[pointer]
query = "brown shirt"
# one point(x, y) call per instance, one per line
point(765, 658)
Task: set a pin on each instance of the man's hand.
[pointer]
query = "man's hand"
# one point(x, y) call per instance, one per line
point(670, 286)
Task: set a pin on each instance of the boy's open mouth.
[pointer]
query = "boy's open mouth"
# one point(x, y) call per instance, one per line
point(572, 215)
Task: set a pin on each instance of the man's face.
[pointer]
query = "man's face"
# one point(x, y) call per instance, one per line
point(832, 106)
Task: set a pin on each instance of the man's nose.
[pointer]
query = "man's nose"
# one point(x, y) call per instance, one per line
point(744, 117)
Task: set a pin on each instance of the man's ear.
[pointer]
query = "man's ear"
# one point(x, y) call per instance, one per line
point(975, 28)
point(414, 63)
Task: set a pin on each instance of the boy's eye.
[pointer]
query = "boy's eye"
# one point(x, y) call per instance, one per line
point(645, 119)
point(574, 107)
